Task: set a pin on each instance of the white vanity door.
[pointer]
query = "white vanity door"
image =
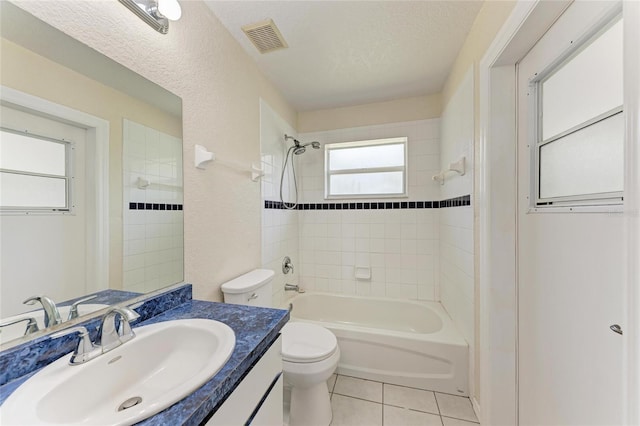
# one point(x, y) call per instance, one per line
point(248, 395)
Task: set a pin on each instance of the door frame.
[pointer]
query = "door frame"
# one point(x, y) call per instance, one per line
point(496, 195)
point(97, 273)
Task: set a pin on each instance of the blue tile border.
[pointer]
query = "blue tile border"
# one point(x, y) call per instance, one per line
point(464, 200)
point(154, 206)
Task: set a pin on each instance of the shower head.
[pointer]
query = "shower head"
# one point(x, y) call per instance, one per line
point(302, 148)
point(299, 148)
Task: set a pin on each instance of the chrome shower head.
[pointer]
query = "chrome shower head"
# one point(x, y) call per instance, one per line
point(302, 148)
point(299, 148)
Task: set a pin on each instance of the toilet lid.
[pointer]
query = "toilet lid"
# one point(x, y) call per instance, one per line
point(302, 342)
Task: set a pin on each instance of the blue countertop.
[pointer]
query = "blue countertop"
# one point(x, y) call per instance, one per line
point(255, 329)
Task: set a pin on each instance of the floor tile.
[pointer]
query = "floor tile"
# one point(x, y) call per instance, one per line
point(331, 383)
point(456, 406)
point(359, 388)
point(448, 421)
point(395, 416)
point(415, 399)
point(355, 412)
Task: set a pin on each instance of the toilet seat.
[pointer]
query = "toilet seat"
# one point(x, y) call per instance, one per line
point(306, 343)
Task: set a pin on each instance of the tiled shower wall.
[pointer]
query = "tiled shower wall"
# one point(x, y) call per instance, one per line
point(456, 224)
point(457, 291)
point(398, 246)
point(153, 215)
point(279, 227)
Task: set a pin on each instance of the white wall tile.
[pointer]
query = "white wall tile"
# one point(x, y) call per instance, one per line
point(154, 236)
point(455, 260)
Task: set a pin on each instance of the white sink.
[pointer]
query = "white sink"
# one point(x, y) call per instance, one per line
point(164, 363)
point(15, 331)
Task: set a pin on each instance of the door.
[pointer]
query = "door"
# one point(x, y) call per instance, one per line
point(48, 245)
point(570, 223)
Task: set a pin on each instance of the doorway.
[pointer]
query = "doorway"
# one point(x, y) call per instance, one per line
point(501, 210)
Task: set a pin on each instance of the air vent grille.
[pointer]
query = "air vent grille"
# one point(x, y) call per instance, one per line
point(265, 36)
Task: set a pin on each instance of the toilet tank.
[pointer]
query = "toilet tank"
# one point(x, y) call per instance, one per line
point(252, 288)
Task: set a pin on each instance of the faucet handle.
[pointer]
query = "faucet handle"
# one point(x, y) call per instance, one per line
point(32, 324)
point(85, 349)
point(73, 312)
point(287, 265)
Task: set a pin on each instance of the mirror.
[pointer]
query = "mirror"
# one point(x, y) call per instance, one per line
point(91, 175)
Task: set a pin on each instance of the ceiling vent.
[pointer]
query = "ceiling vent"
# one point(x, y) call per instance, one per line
point(265, 36)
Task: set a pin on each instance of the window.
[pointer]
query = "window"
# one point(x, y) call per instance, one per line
point(579, 135)
point(34, 173)
point(366, 169)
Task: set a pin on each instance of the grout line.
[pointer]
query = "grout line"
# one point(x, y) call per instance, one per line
point(359, 378)
point(361, 399)
point(382, 419)
point(464, 420)
point(435, 395)
point(413, 409)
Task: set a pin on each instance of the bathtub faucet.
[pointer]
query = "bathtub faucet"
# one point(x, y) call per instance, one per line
point(291, 287)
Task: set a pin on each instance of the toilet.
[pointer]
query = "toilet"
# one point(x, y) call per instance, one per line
point(310, 353)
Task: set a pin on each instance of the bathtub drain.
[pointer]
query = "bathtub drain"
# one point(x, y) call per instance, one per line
point(131, 402)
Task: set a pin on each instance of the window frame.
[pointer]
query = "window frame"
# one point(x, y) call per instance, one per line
point(404, 140)
point(68, 179)
point(581, 202)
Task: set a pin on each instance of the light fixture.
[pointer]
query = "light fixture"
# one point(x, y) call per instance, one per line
point(156, 13)
point(170, 9)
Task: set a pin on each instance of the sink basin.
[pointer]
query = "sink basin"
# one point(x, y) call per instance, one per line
point(17, 330)
point(164, 363)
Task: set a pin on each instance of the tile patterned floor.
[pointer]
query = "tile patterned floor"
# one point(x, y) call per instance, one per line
point(358, 402)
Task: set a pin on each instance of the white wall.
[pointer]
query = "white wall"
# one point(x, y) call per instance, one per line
point(279, 226)
point(153, 242)
point(457, 275)
point(400, 245)
point(389, 112)
point(456, 223)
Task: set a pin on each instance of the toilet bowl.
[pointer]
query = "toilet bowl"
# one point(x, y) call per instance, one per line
point(310, 353)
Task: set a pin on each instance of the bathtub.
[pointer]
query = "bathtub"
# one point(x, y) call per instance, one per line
point(400, 342)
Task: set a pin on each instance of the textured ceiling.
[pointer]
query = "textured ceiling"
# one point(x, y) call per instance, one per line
point(353, 52)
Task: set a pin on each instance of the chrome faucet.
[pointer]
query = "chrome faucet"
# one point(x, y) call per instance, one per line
point(73, 313)
point(292, 287)
point(110, 334)
point(51, 314)
point(32, 325)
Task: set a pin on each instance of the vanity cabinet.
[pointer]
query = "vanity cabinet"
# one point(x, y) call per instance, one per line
point(257, 400)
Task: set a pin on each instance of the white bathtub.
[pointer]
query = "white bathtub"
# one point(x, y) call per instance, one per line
point(394, 341)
